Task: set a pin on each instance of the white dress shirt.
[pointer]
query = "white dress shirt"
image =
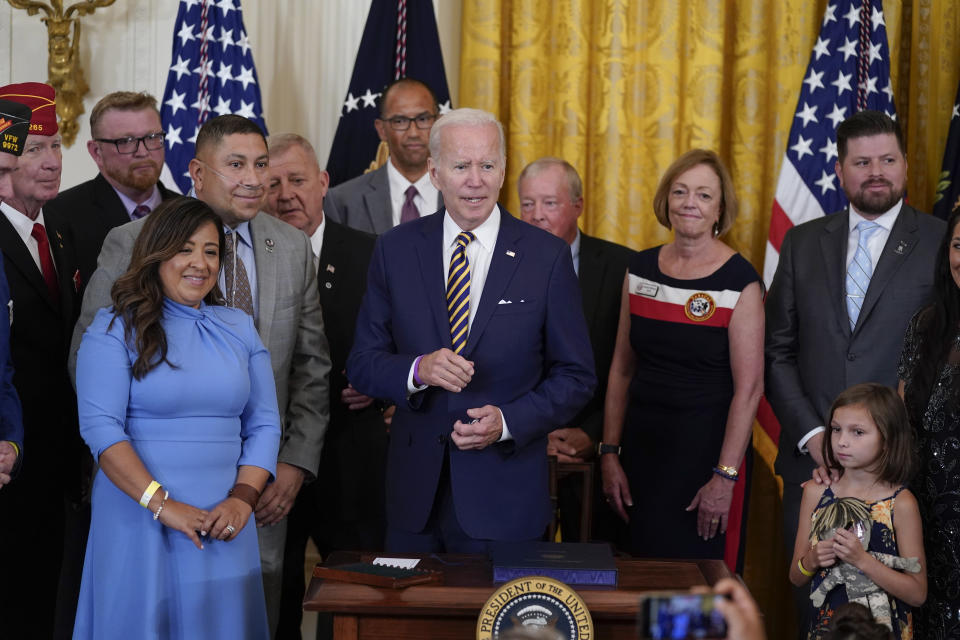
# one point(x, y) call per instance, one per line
point(24, 228)
point(316, 240)
point(878, 240)
point(425, 201)
point(479, 254)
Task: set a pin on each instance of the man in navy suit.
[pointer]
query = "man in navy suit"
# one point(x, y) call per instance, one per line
point(467, 458)
point(16, 117)
point(11, 416)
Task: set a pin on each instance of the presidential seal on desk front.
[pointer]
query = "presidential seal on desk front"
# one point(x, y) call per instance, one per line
point(534, 608)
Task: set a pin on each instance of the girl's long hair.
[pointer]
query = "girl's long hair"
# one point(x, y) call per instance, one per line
point(896, 462)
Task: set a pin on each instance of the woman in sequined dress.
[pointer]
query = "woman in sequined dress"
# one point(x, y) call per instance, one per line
point(930, 386)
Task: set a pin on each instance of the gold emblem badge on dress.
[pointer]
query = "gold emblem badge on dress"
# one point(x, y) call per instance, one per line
point(700, 306)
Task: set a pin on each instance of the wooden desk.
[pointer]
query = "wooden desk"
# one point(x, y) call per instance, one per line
point(450, 611)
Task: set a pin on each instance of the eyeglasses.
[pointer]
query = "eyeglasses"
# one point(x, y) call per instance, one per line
point(151, 142)
point(402, 123)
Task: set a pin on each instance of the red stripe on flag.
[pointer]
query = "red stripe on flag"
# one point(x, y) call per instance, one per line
point(779, 225)
point(735, 521)
point(669, 312)
point(768, 420)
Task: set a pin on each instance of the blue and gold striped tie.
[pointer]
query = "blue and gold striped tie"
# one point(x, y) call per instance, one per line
point(458, 292)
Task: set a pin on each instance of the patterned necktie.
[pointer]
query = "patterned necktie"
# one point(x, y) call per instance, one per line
point(46, 261)
point(139, 211)
point(409, 210)
point(235, 277)
point(859, 272)
point(458, 292)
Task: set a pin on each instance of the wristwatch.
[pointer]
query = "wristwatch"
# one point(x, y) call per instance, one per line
point(608, 448)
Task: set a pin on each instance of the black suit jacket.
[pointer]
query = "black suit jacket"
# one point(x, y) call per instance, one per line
point(39, 344)
point(92, 209)
point(602, 268)
point(350, 484)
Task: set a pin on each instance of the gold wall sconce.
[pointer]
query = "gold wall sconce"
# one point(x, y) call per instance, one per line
point(63, 65)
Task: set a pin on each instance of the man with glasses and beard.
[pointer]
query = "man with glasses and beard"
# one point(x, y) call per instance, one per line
point(844, 291)
point(127, 147)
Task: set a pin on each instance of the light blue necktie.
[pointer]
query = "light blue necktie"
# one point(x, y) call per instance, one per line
point(859, 272)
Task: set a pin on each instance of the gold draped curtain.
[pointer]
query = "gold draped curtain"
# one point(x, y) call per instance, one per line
point(621, 87)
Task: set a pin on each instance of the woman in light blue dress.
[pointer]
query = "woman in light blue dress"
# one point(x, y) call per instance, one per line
point(178, 405)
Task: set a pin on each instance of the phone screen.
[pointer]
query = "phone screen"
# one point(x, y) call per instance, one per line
point(681, 615)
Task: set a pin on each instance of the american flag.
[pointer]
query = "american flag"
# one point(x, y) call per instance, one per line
point(400, 40)
point(211, 74)
point(849, 71)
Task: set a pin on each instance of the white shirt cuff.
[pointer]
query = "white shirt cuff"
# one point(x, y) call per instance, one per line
point(802, 445)
point(413, 387)
point(506, 432)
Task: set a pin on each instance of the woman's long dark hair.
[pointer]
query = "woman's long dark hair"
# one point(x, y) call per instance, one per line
point(138, 294)
point(938, 325)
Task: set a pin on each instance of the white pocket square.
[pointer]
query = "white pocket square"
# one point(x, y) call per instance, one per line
point(505, 302)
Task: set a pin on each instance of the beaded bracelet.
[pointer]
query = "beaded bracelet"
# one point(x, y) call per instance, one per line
point(246, 493)
point(723, 473)
point(803, 569)
point(166, 494)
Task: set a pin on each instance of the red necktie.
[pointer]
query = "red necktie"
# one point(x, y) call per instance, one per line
point(46, 261)
point(409, 210)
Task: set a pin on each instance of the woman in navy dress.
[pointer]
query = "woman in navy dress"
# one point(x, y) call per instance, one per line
point(178, 405)
point(686, 376)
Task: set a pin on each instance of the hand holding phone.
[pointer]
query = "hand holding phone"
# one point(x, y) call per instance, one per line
point(680, 615)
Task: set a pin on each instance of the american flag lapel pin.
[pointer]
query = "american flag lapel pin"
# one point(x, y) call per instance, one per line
point(511, 254)
point(330, 268)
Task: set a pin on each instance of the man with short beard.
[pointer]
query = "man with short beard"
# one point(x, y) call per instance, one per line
point(845, 288)
point(127, 147)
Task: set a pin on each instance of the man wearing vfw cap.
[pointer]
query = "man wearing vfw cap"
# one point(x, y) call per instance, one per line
point(14, 123)
point(42, 510)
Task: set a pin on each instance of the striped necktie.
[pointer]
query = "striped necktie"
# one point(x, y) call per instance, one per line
point(859, 272)
point(235, 278)
point(458, 292)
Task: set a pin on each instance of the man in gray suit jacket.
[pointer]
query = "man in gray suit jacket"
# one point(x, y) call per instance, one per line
point(230, 173)
point(400, 190)
point(817, 344)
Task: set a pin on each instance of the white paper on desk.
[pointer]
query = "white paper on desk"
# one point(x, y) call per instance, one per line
point(399, 563)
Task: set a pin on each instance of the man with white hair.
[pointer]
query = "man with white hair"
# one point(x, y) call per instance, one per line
point(551, 197)
point(472, 325)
